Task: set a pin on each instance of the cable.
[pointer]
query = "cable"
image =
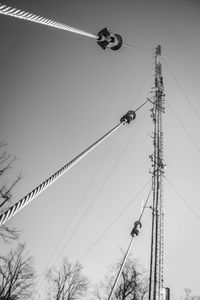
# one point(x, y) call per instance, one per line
point(121, 268)
point(136, 47)
point(20, 14)
point(187, 132)
point(141, 105)
point(114, 221)
point(6, 215)
point(180, 196)
point(181, 88)
point(129, 247)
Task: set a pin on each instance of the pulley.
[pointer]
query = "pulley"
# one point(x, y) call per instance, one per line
point(108, 40)
point(128, 117)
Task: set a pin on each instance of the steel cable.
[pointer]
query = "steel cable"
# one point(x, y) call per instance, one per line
point(182, 198)
point(114, 221)
point(21, 14)
point(6, 215)
point(184, 128)
point(181, 89)
point(135, 47)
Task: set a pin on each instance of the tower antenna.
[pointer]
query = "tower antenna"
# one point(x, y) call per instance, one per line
point(158, 165)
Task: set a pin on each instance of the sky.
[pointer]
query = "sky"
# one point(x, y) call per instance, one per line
point(60, 92)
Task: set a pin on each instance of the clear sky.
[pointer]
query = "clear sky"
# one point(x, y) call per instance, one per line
point(60, 92)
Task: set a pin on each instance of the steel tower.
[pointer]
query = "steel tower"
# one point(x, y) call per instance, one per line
point(158, 167)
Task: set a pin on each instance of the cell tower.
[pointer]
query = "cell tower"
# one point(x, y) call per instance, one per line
point(158, 167)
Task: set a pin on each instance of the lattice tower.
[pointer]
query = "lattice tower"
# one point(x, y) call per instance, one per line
point(158, 168)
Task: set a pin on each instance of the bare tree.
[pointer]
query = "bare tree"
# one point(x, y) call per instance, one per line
point(67, 283)
point(188, 295)
point(16, 275)
point(6, 162)
point(132, 285)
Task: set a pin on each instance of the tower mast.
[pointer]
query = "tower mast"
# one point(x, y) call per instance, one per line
point(157, 238)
